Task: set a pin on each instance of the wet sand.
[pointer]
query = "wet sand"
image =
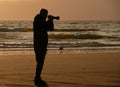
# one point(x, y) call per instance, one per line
point(62, 70)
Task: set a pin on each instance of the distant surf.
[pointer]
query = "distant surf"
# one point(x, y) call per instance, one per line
point(82, 35)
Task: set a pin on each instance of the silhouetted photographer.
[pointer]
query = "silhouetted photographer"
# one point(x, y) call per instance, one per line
point(41, 26)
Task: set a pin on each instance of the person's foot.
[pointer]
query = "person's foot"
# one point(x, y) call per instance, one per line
point(39, 83)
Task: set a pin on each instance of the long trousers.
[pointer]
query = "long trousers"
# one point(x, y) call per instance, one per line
point(40, 57)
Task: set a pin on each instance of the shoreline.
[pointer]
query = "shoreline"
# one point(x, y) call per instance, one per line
point(56, 51)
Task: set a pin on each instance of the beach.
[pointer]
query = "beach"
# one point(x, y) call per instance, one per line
point(62, 70)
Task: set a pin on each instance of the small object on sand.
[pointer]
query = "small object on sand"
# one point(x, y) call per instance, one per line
point(61, 49)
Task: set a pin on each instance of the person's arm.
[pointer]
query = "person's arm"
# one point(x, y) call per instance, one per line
point(50, 25)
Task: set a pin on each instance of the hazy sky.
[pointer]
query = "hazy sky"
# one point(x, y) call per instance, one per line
point(66, 9)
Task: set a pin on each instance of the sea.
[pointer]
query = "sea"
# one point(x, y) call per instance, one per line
point(73, 36)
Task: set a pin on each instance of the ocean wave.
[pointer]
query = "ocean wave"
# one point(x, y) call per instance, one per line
point(75, 30)
point(59, 44)
point(85, 44)
point(70, 34)
point(15, 29)
point(98, 44)
point(80, 36)
point(22, 45)
point(28, 29)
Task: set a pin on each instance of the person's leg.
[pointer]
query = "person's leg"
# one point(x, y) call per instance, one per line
point(40, 57)
point(40, 62)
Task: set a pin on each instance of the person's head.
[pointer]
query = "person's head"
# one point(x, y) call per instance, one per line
point(43, 13)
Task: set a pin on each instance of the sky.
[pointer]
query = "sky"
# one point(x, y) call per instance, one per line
point(66, 9)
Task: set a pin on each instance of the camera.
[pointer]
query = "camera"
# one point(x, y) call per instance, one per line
point(53, 17)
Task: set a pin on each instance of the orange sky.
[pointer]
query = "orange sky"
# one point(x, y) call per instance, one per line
point(66, 9)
